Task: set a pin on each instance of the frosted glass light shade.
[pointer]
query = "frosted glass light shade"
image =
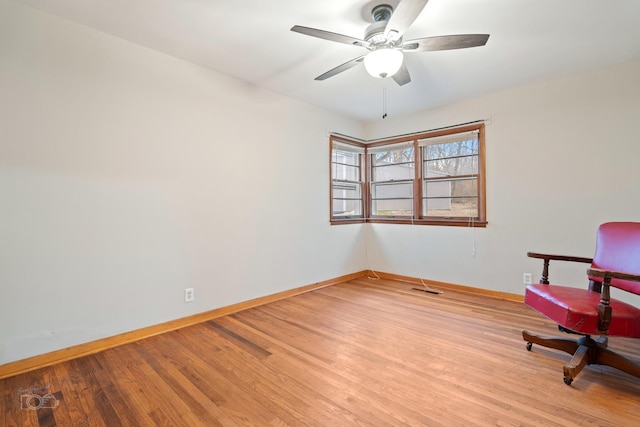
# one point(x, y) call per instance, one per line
point(383, 62)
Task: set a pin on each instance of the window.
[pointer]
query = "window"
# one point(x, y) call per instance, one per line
point(347, 180)
point(434, 178)
point(392, 180)
point(450, 175)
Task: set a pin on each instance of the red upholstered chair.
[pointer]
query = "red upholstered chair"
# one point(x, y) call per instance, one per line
point(592, 311)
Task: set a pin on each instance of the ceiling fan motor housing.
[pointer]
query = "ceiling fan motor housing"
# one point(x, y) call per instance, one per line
point(374, 33)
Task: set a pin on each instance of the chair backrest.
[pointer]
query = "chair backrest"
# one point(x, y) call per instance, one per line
point(618, 249)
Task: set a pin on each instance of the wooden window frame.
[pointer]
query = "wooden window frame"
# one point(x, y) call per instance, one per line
point(370, 173)
point(418, 218)
point(363, 188)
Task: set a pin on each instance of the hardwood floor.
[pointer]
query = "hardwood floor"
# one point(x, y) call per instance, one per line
point(365, 352)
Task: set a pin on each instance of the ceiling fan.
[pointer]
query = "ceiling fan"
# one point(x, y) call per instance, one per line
point(384, 40)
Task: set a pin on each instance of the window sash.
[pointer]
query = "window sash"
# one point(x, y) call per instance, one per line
point(392, 198)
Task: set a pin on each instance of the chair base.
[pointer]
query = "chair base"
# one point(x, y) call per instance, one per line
point(585, 351)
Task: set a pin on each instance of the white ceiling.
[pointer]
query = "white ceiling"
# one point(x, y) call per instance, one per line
point(531, 40)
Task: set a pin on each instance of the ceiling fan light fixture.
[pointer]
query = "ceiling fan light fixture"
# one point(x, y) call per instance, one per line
point(383, 62)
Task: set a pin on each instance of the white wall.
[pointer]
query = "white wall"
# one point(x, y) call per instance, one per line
point(127, 176)
point(562, 157)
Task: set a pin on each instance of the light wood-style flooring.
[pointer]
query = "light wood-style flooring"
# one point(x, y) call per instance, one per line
point(364, 352)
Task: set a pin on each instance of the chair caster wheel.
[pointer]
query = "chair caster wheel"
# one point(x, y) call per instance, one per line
point(529, 345)
point(568, 380)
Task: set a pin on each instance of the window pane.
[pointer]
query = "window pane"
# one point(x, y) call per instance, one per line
point(346, 157)
point(347, 208)
point(400, 155)
point(392, 207)
point(451, 167)
point(393, 172)
point(437, 189)
point(396, 190)
point(347, 190)
point(448, 207)
point(465, 187)
point(393, 199)
point(451, 149)
point(450, 188)
point(346, 172)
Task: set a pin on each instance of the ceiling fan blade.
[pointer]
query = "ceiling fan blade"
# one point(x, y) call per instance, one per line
point(402, 77)
point(459, 41)
point(341, 68)
point(328, 35)
point(403, 16)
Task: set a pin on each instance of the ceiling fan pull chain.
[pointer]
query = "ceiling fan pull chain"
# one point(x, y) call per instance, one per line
point(384, 102)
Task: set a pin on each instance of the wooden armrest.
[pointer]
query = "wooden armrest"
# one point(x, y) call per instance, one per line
point(559, 257)
point(547, 257)
point(609, 274)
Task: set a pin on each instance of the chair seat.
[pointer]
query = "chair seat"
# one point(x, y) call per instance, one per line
point(577, 310)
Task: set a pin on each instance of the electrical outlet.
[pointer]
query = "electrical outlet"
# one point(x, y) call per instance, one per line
point(188, 295)
point(526, 278)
